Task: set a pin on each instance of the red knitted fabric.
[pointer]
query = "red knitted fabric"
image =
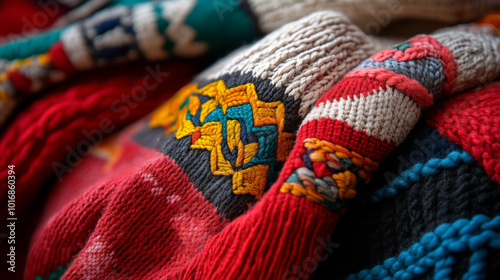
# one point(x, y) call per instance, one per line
point(473, 122)
point(171, 217)
point(116, 155)
point(24, 17)
point(283, 225)
point(130, 200)
point(175, 226)
point(50, 135)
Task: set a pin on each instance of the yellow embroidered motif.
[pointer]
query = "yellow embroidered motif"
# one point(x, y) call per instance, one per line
point(167, 115)
point(329, 175)
point(244, 135)
point(346, 182)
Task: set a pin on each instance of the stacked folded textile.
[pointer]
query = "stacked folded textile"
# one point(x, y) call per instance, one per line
point(317, 151)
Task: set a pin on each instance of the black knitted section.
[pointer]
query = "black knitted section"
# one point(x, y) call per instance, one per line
point(493, 265)
point(196, 162)
point(368, 234)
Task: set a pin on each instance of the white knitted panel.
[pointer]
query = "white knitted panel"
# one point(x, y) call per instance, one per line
point(75, 46)
point(386, 114)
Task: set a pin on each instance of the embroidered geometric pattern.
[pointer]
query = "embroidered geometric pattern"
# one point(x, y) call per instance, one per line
point(329, 174)
point(172, 112)
point(244, 135)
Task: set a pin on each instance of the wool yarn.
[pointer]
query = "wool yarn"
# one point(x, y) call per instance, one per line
point(250, 135)
point(47, 140)
point(467, 132)
point(39, 155)
point(372, 15)
point(256, 114)
point(185, 213)
point(121, 33)
point(433, 208)
point(107, 32)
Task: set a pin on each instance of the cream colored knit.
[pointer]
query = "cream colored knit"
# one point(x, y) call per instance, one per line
point(371, 15)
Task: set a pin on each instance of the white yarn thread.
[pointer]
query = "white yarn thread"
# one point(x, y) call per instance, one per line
point(75, 46)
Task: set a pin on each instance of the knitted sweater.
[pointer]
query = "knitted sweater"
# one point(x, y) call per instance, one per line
point(252, 179)
point(433, 209)
point(285, 160)
point(104, 32)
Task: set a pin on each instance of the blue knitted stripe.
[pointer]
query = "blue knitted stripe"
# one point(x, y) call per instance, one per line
point(436, 250)
point(427, 71)
point(416, 173)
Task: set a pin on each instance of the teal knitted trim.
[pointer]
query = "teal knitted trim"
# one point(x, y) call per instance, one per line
point(20, 48)
point(416, 173)
point(437, 250)
point(227, 18)
point(56, 275)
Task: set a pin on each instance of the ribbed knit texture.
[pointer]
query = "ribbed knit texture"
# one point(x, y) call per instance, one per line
point(188, 213)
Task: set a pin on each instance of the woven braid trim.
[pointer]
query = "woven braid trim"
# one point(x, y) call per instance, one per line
point(329, 174)
point(420, 47)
